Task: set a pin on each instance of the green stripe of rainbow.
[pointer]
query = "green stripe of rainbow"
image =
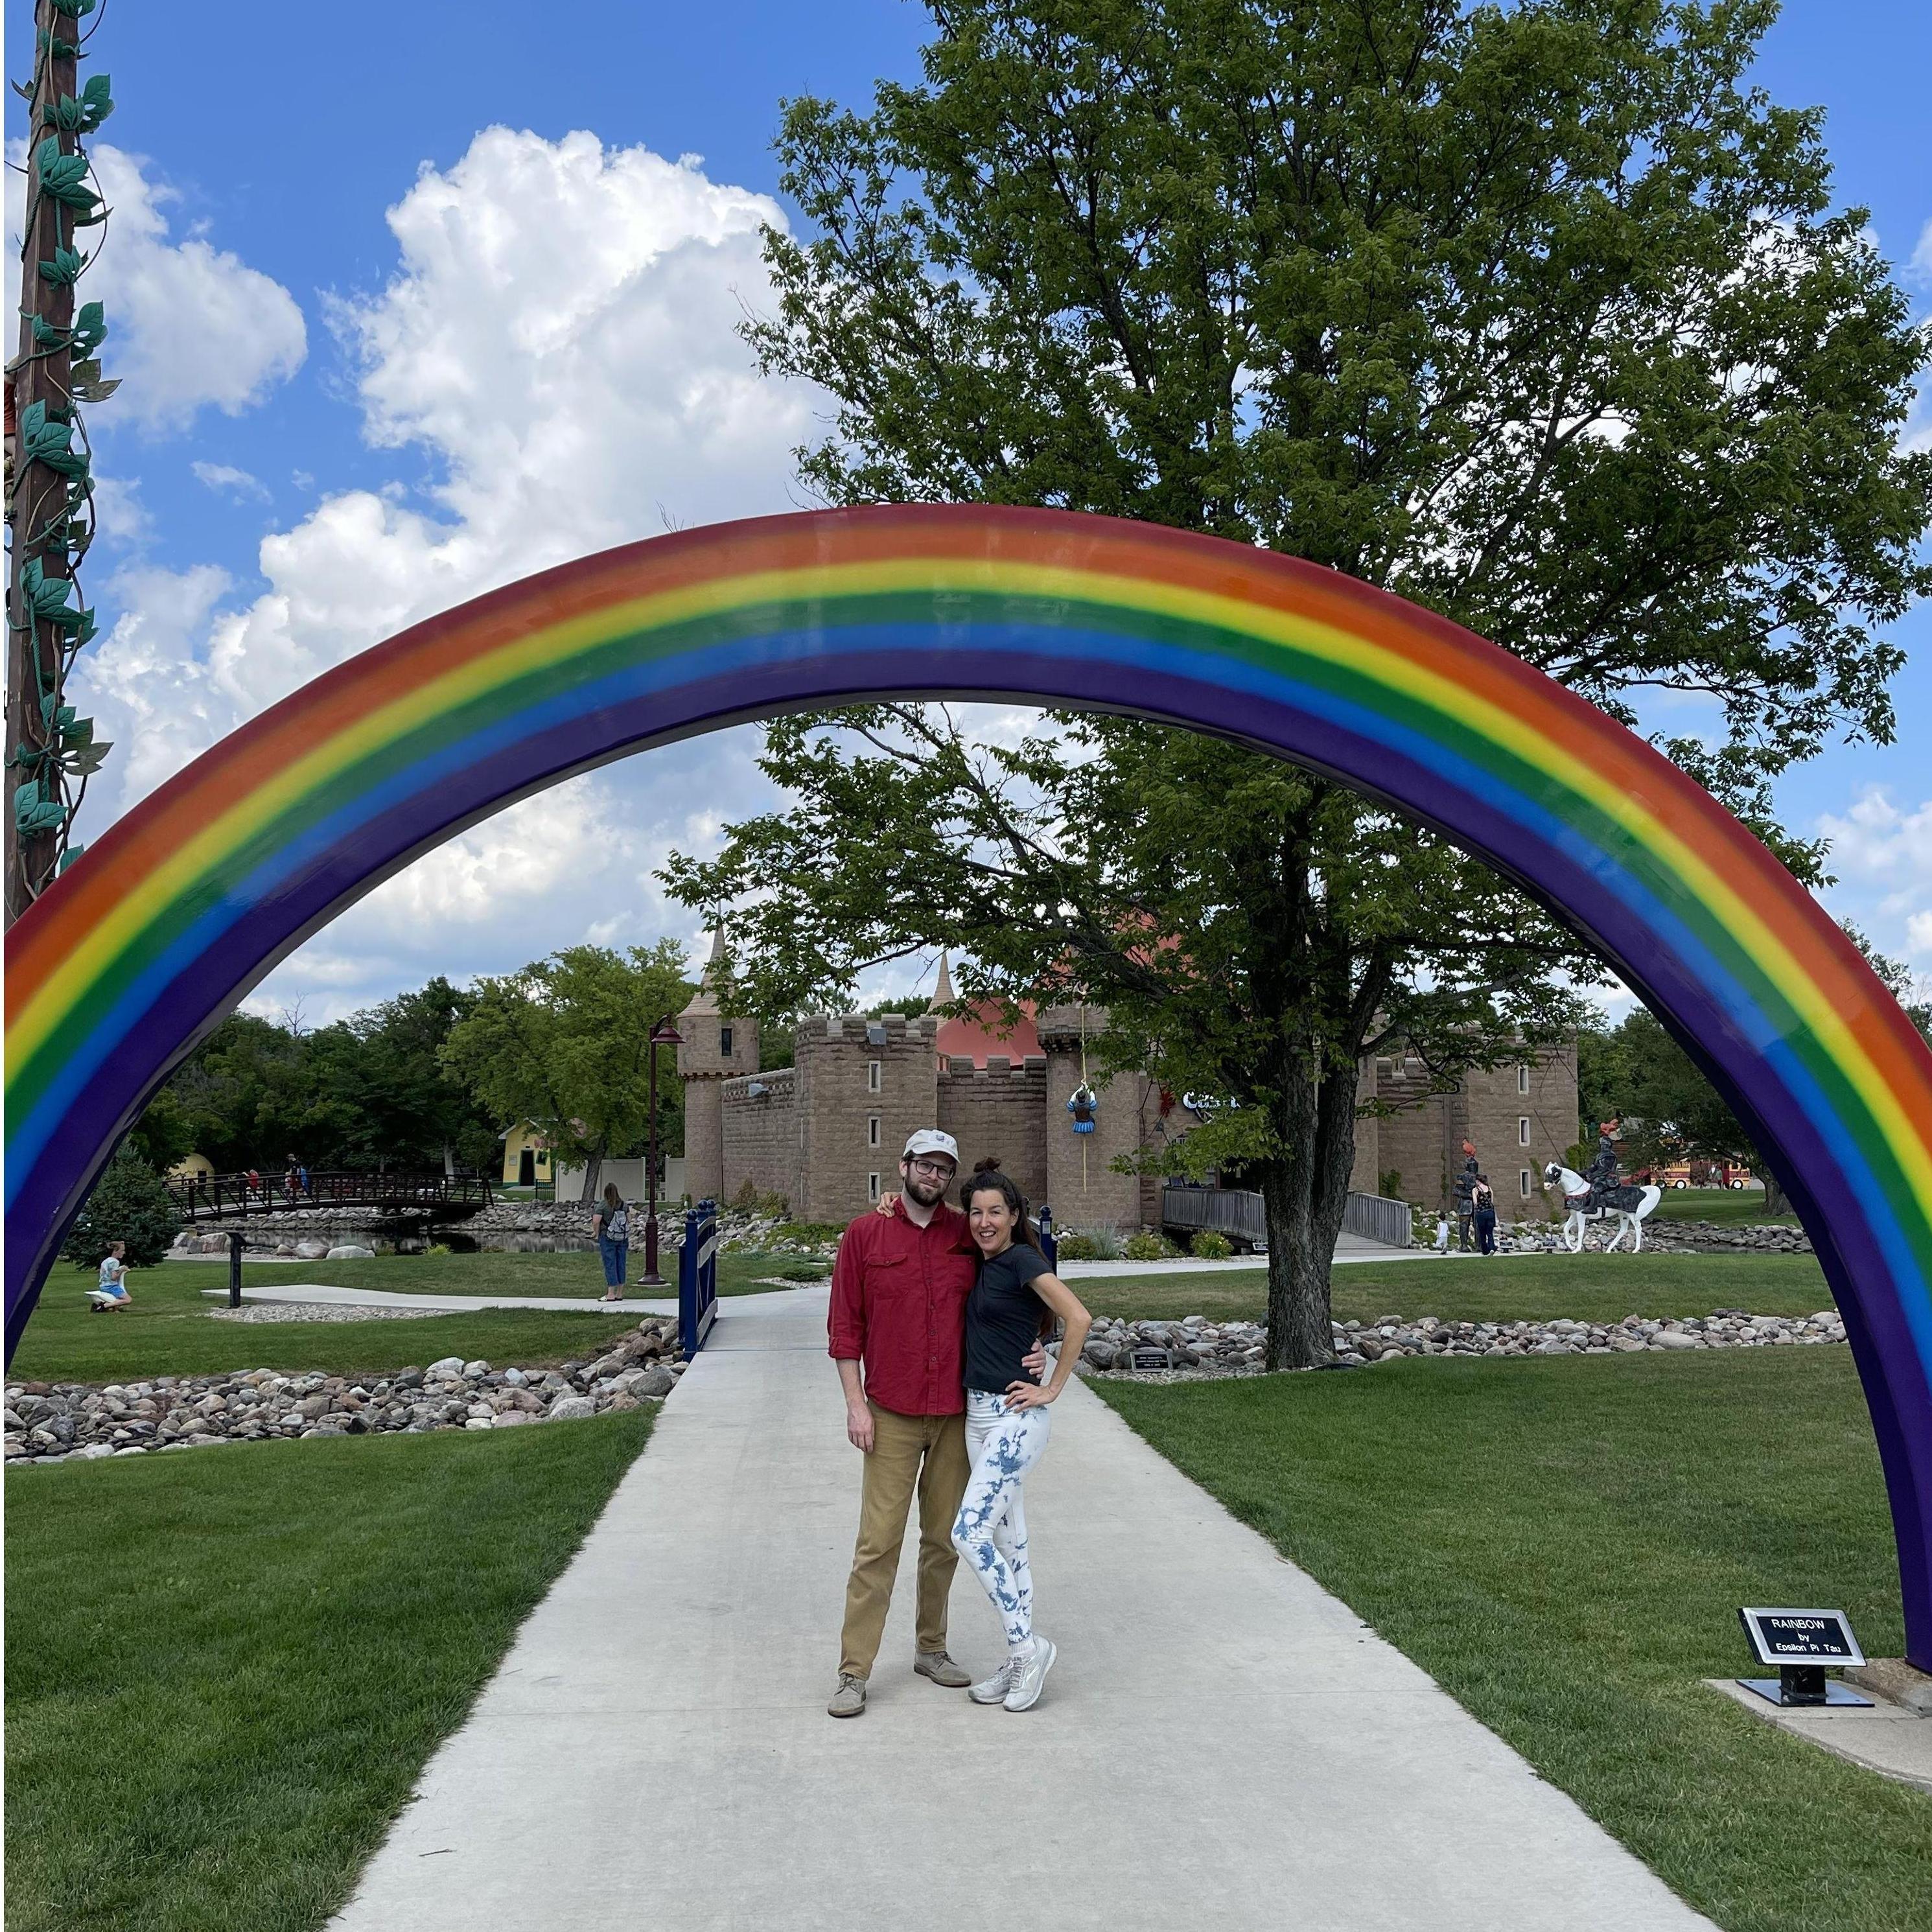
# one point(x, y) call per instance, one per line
point(193, 896)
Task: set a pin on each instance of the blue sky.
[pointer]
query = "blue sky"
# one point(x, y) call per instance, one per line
point(338, 418)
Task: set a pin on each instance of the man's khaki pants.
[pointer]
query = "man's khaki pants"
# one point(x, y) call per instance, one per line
point(926, 1453)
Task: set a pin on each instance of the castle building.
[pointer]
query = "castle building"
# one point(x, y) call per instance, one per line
point(825, 1133)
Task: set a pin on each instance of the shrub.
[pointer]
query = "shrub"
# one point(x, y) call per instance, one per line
point(748, 1200)
point(1147, 1248)
point(1077, 1247)
point(129, 1204)
point(1211, 1245)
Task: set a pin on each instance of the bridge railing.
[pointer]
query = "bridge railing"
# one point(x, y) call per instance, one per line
point(697, 1277)
point(217, 1196)
point(1237, 1212)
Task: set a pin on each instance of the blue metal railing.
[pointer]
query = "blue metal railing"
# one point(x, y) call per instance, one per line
point(697, 1277)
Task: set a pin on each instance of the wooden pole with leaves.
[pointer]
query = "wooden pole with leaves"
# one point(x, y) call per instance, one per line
point(50, 752)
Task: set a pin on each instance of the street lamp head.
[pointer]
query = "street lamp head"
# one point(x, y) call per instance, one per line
point(665, 1034)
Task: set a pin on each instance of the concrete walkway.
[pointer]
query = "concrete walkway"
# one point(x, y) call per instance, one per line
point(444, 1304)
point(1352, 1250)
point(1221, 1743)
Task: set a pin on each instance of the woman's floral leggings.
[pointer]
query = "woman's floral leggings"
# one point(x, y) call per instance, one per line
point(991, 1531)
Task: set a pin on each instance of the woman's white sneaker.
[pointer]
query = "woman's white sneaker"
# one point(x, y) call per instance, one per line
point(1030, 1678)
point(994, 1689)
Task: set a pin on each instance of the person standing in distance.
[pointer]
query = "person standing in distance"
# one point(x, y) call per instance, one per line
point(897, 1328)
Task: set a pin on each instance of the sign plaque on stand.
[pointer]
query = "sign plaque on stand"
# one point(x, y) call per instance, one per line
point(1803, 1644)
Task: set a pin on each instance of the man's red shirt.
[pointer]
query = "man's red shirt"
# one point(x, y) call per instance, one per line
point(898, 1305)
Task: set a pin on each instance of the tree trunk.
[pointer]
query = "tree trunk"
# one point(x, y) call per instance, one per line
point(1774, 1200)
point(1304, 1196)
point(593, 1173)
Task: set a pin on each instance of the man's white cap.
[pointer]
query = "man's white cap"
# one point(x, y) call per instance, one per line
point(930, 1140)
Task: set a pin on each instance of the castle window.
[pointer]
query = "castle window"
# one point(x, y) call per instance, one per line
point(723, 1042)
point(873, 1069)
point(1522, 1130)
point(871, 1130)
point(871, 1187)
point(1522, 1182)
point(1522, 1080)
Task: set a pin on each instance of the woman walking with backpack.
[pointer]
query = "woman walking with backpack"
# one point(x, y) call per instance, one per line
point(1483, 1199)
point(611, 1224)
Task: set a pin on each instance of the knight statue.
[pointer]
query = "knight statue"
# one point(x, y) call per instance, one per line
point(1605, 1175)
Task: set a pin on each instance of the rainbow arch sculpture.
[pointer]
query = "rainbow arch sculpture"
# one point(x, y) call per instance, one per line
point(192, 897)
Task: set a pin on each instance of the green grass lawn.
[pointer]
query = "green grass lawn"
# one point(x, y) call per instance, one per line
point(166, 1331)
point(1513, 1288)
point(1563, 1545)
point(1741, 1205)
point(224, 1672)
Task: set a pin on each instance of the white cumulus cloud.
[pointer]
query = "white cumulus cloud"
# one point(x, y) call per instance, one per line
point(224, 479)
point(560, 340)
point(1882, 854)
point(192, 326)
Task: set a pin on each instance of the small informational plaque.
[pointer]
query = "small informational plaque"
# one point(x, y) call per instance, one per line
point(1147, 1358)
point(1818, 1637)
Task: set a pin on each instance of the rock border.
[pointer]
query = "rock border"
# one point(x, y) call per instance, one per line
point(69, 1422)
point(1198, 1348)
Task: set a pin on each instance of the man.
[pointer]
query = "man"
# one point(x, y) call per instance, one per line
point(897, 1332)
point(1465, 1205)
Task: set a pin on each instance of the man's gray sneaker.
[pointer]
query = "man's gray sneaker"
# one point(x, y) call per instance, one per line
point(993, 1690)
point(849, 1699)
point(1030, 1678)
point(940, 1668)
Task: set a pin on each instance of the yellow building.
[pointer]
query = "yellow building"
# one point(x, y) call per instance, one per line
point(191, 1165)
point(525, 1155)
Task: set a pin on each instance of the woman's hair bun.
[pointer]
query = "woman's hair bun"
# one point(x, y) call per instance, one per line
point(990, 1164)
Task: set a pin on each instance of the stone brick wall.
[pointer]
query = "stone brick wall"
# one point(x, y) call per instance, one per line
point(853, 1121)
point(1424, 1139)
point(1000, 1110)
point(1082, 1185)
point(760, 1133)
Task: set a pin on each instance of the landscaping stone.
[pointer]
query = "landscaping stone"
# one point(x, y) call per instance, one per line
point(1198, 1348)
point(69, 1422)
point(349, 1251)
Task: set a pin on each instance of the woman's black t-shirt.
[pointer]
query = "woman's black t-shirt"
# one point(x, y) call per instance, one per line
point(1003, 1316)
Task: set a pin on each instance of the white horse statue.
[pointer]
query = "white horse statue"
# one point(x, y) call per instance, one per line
point(1631, 1206)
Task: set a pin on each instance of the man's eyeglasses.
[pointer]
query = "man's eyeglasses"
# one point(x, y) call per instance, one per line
point(934, 1170)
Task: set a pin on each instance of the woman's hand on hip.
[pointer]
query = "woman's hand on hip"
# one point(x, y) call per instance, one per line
point(1021, 1396)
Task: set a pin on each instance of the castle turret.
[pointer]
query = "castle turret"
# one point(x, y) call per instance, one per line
point(717, 1047)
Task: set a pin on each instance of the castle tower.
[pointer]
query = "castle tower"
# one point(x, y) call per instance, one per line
point(716, 1048)
point(865, 1083)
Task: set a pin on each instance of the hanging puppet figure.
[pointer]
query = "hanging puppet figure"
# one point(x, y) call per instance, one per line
point(1081, 1104)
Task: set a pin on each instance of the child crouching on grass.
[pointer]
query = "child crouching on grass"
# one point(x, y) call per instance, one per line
point(112, 1292)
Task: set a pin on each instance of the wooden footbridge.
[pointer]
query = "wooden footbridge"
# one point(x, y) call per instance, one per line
point(436, 1196)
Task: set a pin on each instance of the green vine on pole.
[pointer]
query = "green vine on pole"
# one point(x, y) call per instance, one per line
point(51, 751)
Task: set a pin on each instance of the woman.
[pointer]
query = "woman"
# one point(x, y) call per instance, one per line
point(611, 1224)
point(1482, 1198)
point(1014, 1301)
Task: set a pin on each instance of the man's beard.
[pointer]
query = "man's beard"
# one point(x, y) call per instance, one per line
point(927, 1193)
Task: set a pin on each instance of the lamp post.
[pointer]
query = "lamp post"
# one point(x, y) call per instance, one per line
point(663, 1034)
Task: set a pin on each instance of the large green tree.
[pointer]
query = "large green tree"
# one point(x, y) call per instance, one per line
point(380, 1085)
point(1538, 314)
point(565, 1042)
